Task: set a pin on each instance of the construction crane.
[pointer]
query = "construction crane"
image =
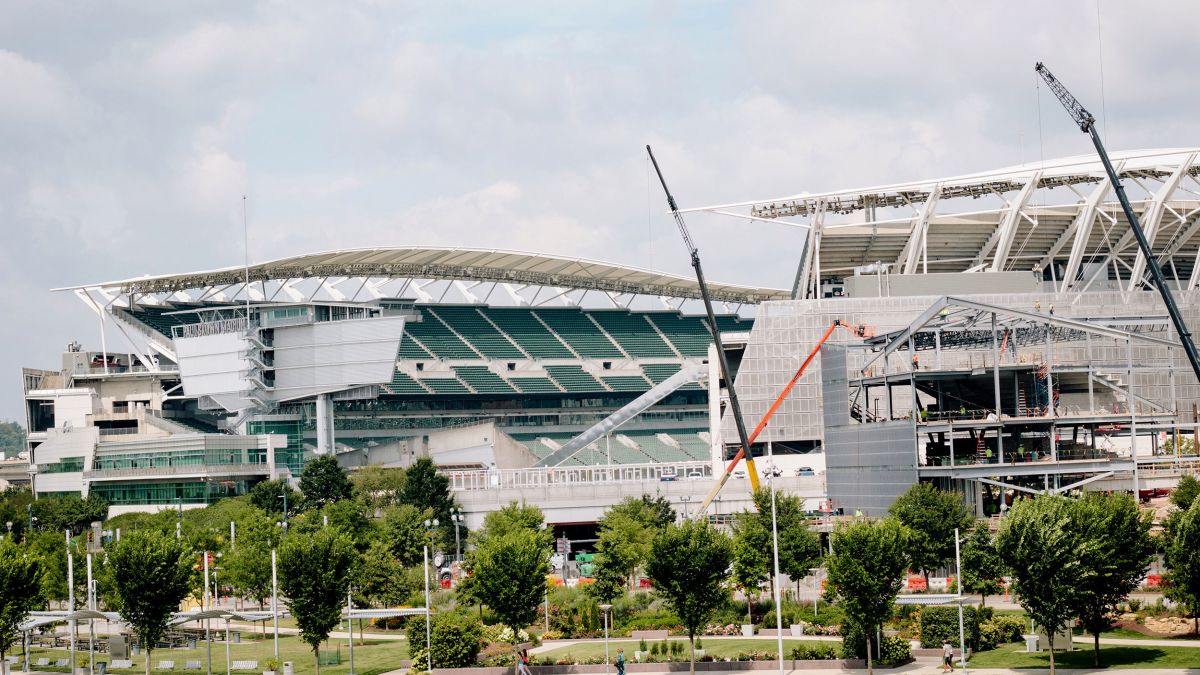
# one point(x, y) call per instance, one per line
point(735, 407)
point(858, 331)
point(1087, 124)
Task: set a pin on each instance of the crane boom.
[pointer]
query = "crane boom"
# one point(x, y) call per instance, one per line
point(1087, 124)
point(735, 407)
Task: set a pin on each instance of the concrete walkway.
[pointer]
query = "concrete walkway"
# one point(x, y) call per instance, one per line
point(1136, 642)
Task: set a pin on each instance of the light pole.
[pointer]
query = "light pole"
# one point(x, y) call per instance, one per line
point(275, 602)
point(457, 518)
point(816, 572)
point(429, 526)
point(283, 496)
point(605, 607)
point(775, 552)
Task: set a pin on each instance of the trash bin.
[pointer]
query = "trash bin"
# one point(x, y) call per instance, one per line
point(102, 668)
point(237, 637)
point(288, 668)
point(1031, 643)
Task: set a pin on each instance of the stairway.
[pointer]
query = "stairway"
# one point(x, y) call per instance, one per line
point(980, 449)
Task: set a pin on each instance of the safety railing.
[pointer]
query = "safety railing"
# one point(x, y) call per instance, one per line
point(496, 479)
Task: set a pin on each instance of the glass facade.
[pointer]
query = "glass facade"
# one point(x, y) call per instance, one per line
point(170, 458)
point(291, 456)
point(177, 492)
point(64, 465)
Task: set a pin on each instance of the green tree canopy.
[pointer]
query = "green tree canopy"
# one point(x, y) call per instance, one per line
point(752, 560)
point(1039, 544)
point(799, 546)
point(268, 496)
point(429, 491)
point(314, 574)
point(1183, 561)
point(866, 570)
point(626, 532)
point(20, 593)
point(931, 516)
point(377, 486)
point(380, 579)
point(324, 482)
point(12, 439)
point(403, 531)
point(149, 574)
point(511, 518)
point(69, 512)
point(655, 512)
point(1117, 558)
point(688, 565)
point(509, 574)
point(1185, 492)
point(248, 564)
point(981, 565)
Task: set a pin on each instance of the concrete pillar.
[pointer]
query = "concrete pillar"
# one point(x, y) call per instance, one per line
point(324, 424)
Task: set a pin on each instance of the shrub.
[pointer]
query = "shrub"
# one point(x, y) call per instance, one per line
point(552, 635)
point(656, 649)
point(1135, 604)
point(419, 661)
point(894, 650)
point(699, 644)
point(1000, 630)
point(456, 640)
point(821, 652)
point(676, 648)
point(941, 623)
point(642, 645)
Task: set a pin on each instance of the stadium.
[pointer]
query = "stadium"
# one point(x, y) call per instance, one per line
point(1013, 346)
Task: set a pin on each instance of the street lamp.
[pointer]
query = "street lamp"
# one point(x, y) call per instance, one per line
point(457, 518)
point(605, 607)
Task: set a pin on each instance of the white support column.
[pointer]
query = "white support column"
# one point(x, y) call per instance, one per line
point(1007, 230)
point(810, 264)
point(1152, 217)
point(915, 250)
point(714, 412)
point(1082, 228)
point(324, 424)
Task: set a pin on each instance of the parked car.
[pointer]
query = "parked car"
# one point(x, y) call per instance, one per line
point(695, 474)
point(805, 471)
point(739, 474)
point(667, 474)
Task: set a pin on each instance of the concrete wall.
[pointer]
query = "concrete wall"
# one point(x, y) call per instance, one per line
point(894, 285)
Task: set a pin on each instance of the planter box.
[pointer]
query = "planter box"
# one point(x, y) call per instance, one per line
point(797, 629)
point(747, 630)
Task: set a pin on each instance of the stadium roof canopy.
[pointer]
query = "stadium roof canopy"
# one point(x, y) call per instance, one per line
point(1059, 218)
point(357, 274)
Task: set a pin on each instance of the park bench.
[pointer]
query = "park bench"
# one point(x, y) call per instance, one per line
point(11, 660)
point(122, 663)
point(42, 662)
point(192, 665)
point(62, 663)
point(166, 665)
point(245, 665)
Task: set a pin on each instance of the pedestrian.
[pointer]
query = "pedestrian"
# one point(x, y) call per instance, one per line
point(523, 663)
point(947, 656)
point(620, 661)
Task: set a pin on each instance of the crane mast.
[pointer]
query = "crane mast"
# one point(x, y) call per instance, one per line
point(734, 406)
point(1087, 124)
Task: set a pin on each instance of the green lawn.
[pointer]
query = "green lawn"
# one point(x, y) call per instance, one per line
point(715, 648)
point(1015, 656)
point(376, 656)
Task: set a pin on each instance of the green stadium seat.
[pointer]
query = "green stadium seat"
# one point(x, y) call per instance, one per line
point(635, 335)
point(483, 380)
point(444, 385)
point(475, 329)
point(627, 382)
point(535, 385)
point(403, 384)
point(438, 339)
point(523, 328)
point(574, 379)
point(574, 328)
point(411, 351)
point(658, 372)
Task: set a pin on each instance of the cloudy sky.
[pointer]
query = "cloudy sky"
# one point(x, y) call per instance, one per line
point(130, 131)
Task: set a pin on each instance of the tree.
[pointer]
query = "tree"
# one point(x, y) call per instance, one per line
point(655, 512)
point(149, 574)
point(688, 565)
point(248, 566)
point(1185, 492)
point(1037, 543)
point(799, 546)
point(377, 486)
point(52, 550)
point(429, 490)
point(866, 569)
point(512, 518)
point(1117, 558)
point(69, 512)
point(314, 575)
point(268, 496)
point(404, 532)
point(20, 592)
point(1183, 562)
point(931, 516)
point(324, 482)
point(981, 565)
point(380, 579)
point(509, 573)
point(12, 439)
point(751, 555)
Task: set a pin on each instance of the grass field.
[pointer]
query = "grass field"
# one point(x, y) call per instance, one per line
point(376, 656)
point(716, 648)
point(1113, 656)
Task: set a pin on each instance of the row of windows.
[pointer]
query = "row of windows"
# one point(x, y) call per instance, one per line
point(64, 465)
point(197, 457)
point(186, 492)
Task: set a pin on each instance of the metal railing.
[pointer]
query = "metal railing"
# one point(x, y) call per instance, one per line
point(211, 470)
point(497, 479)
